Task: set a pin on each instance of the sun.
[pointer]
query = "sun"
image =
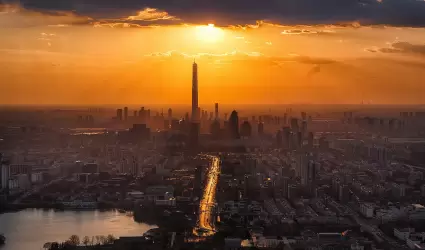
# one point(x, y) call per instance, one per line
point(209, 33)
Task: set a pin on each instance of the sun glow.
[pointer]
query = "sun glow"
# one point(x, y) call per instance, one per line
point(209, 33)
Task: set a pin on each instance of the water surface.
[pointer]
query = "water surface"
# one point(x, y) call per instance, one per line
point(30, 229)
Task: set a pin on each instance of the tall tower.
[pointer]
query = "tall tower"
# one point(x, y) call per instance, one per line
point(216, 111)
point(195, 114)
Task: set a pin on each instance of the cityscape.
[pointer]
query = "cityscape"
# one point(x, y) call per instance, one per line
point(321, 166)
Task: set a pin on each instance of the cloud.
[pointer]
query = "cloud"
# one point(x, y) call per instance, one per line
point(9, 8)
point(306, 32)
point(246, 56)
point(243, 12)
point(151, 14)
point(401, 47)
point(16, 16)
point(106, 24)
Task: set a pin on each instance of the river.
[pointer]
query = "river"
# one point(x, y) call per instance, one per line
point(30, 229)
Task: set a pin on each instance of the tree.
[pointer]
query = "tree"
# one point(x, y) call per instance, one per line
point(47, 245)
point(74, 240)
point(86, 241)
point(110, 239)
point(102, 240)
point(54, 246)
point(97, 237)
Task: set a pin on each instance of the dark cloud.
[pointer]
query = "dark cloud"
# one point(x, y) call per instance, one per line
point(402, 47)
point(241, 12)
point(307, 32)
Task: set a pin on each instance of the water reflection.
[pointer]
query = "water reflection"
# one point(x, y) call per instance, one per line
point(30, 229)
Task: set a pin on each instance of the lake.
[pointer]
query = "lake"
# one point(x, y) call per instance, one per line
point(30, 229)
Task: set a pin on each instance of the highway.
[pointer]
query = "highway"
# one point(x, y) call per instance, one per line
point(205, 225)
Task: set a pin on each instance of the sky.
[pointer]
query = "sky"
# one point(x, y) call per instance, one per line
point(247, 51)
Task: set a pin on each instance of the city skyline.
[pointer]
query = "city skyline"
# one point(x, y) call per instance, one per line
point(212, 124)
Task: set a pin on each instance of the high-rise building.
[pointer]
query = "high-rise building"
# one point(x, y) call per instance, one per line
point(148, 115)
point(279, 138)
point(142, 113)
point(260, 128)
point(119, 114)
point(310, 139)
point(286, 137)
point(246, 129)
point(135, 113)
point(234, 125)
point(134, 167)
point(216, 111)
point(195, 92)
point(302, 170)
point(170, 114)
point(312, 170)
point(294, 125)
point(304, 127)
point(4, 173)
point(126, 113)
point(215, 129)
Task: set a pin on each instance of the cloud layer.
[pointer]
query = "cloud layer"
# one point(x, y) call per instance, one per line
point(402, 47)
point(241, 12)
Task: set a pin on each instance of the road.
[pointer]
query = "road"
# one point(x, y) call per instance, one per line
point(205, 226)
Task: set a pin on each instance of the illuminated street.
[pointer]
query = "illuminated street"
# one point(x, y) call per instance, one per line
point(205, 226)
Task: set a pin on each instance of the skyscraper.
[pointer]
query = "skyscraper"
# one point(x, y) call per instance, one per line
point(294, 125)
point(216, 111)
point(279, 138)
point(170, 114)
point(195, 92)
point(246, 129)
point(126, 113)
point(119, 114)
point(234, 125)
point(260, 128)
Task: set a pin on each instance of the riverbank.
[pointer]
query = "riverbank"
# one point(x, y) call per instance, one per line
point(12, 207)
point(32, 228)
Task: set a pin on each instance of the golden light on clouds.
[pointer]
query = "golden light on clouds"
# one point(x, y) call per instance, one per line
point(151, 14)
point(209, 33)
point(147, 57)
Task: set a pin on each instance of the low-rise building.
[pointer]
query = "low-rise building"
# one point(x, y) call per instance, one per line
point(367, 210)
point(403, 233)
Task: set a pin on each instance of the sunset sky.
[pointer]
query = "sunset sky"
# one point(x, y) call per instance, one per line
point(248, 51)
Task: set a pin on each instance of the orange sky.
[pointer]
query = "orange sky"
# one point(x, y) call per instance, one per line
point(50, 60)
